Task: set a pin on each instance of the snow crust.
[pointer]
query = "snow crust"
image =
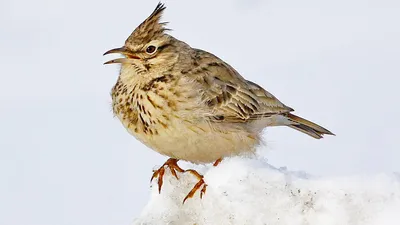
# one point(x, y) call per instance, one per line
point(250, 191)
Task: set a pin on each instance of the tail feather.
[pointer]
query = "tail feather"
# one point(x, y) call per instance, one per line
point(307, 127)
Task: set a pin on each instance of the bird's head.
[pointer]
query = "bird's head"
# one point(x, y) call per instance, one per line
point(149, 48)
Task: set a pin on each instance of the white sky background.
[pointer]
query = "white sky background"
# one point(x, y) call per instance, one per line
point(64, 159)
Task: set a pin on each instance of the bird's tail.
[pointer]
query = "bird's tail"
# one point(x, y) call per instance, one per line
point(307, 127)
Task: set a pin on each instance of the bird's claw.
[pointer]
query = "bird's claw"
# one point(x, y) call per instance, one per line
point(197, 186)
point(173, 166)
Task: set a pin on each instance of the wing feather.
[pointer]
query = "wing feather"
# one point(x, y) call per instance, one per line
point(228, 95)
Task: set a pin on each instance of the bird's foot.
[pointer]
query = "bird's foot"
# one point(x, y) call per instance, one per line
point(200, 184)
point(197, 186)
point(173, 166)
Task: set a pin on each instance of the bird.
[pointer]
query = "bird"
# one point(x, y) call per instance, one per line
point(188, 104)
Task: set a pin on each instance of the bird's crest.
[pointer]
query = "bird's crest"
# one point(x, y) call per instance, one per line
point(149, 29)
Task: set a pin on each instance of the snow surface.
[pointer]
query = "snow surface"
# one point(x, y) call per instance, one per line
point(250, 191)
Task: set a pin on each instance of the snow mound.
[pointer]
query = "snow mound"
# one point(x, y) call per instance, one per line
point(250, 191)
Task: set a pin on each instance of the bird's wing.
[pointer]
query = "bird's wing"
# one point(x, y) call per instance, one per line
point(228, 95)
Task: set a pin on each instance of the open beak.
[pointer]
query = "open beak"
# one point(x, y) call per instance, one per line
point(124, 51)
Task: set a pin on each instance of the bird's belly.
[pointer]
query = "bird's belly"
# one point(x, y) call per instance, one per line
point(198, 143)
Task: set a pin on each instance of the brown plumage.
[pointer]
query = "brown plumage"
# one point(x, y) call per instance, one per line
point(188, 104)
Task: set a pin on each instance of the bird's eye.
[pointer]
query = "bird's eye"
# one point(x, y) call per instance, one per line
point(151, 49)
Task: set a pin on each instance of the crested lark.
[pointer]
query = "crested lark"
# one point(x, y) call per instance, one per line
point(188, 104)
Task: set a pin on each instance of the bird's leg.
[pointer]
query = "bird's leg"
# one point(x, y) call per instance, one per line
point(217, 162)
point(197, 186)
point(200, 183)
point(173, 167)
